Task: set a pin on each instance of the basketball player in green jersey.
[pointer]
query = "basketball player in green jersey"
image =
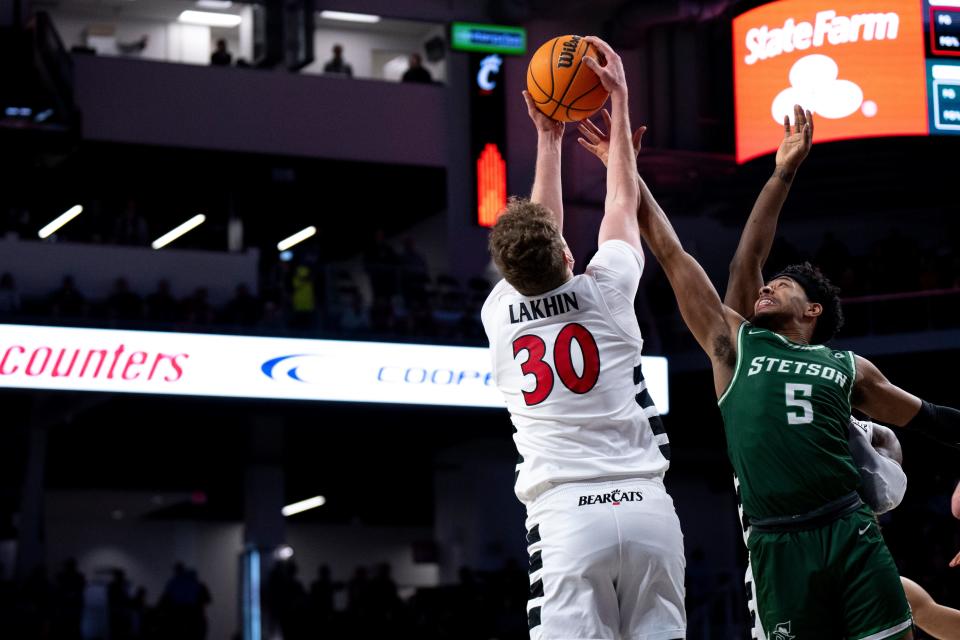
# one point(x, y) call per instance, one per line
point(822, 568)
point(855, 610)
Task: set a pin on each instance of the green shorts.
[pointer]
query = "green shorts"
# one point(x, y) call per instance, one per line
point(834, 582)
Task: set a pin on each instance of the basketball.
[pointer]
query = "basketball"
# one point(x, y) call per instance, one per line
point(560, 84)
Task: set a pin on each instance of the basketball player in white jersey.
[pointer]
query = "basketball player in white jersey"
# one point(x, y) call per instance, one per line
point(606, 550)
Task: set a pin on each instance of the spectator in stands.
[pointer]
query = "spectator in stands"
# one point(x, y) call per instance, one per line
point(355, 318)
point(196, 308)
point(131, 228)
point(337, 65)
point(321, 594)
point(68, 601)
point(123, 304)
point(413, 272)
point(244, 309)
point(67, 302)
point(380, 262)
point(183, 602)
point(221, 56)
point(303, 298)
point(416, 71)
point(161, 305)
point(118, 606)
point(9, 296)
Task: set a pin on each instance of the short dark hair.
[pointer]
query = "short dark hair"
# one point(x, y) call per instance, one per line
point(527, 248)
point(819, 289)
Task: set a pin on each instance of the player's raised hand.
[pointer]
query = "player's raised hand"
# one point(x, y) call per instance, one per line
point(956, 561)
point(609, 69)
point(540, 119)
point(597, 142)
point(797, 140)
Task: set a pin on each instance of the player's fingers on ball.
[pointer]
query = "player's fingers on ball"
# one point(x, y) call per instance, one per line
point(593, 65)
point(602, 46)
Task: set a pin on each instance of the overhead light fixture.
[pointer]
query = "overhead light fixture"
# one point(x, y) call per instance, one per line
point(349, 16)
point(60, 220)
point(176, 232)
point(215, 4)
point(283, 552)
point(296, 238)
point(303, 505)
point(209, 19)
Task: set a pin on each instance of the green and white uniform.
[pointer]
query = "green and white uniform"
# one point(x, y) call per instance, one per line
point(820, 566)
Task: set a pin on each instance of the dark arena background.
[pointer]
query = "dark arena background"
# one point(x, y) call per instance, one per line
point(278, 424)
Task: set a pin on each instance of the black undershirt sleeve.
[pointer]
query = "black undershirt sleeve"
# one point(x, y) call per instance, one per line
point(939, 422)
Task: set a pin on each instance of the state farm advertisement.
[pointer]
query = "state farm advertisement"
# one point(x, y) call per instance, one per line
point(858, 65)
point(113, 361)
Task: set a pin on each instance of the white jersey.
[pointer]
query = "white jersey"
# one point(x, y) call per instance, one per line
point(568, 365)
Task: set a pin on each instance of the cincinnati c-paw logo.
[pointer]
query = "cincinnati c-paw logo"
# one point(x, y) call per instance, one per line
point(614, 498)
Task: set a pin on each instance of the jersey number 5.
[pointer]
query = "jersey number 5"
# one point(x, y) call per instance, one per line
point(536, 349)
point(805, 415)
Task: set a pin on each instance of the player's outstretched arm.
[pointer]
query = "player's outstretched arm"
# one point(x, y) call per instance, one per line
point(713, 325)
point(746, 268)
point(884, 401)
point(547, 186)
point(619, 211)
point(935, 619)
point(955, 504)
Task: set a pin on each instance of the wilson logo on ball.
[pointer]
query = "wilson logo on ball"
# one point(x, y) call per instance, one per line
point(562, 87)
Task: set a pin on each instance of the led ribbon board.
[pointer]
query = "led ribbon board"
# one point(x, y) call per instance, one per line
point(488, 38)
point(866, 68)
point(189, 364)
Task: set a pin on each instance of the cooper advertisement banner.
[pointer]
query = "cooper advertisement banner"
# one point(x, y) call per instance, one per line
point(102, 360)
point(860, 66)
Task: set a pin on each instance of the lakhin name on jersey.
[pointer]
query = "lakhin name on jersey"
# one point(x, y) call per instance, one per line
point(543, 307)
point(769, 365)
point(615, 497)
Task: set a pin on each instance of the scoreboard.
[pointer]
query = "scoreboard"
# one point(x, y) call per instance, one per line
point(866, 68)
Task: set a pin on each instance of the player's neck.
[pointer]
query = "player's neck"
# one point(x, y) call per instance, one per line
point(791, 331)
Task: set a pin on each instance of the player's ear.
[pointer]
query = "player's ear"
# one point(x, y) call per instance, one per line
point(814, 309)
point(568, 257)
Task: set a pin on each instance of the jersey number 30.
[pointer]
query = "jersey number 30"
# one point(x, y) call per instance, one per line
point(536, 349)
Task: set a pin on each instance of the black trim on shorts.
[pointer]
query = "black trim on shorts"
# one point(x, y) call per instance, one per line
point(533, 536)
point(533, 618)
point(536, 562)
point(536, 589)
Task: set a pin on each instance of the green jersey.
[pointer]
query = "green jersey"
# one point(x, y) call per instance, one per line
point(785, 414)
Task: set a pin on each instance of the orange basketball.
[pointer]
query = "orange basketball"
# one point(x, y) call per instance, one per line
point(560, 84)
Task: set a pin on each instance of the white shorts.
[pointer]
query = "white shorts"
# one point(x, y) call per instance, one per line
point(606, 563)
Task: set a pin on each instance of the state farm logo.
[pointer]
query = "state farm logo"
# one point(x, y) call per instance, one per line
point(81, 363)
point(827, 28)
point(815, 83)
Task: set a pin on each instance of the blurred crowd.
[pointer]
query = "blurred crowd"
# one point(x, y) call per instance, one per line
point(390, 291)
point(481, 605)
point(108, 607)
point(388, 294)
